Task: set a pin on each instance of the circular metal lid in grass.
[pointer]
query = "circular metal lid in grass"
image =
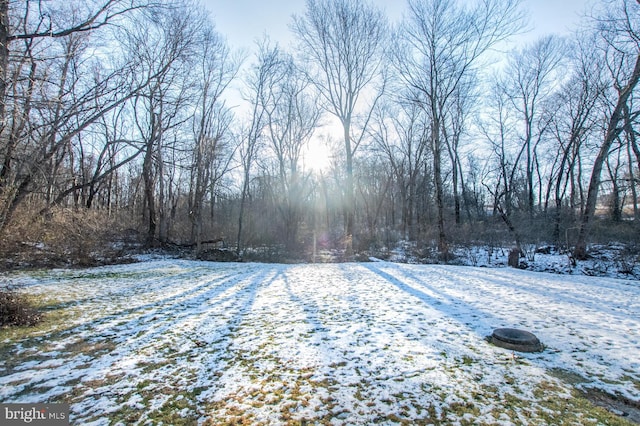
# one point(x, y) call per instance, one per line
point(517, 340)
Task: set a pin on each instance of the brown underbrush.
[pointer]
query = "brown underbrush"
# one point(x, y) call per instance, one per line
point(65, 237)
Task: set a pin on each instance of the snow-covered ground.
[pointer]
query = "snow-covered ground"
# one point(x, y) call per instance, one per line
point(613, 260)
point(351, 343)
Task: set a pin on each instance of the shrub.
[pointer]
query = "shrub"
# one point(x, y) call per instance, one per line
point(66, 237)
point(16, 308)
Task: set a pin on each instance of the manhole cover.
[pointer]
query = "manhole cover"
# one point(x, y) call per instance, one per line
point(517, 340)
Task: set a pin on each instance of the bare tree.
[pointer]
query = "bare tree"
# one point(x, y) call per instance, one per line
point(439, 44)
point(162, 46)
point(52, 90)
point(530, 78)
point(341, 42)
point(94, 159)
point(501, 175)
point(17, 23)
point(260, 76)
point(632, 147)
point(614, 166)
point(401, 133)
point(292, 115)
point(373, 184)
point(212, 153)
point(574, 109)
point(619, 28)
point(454, 125)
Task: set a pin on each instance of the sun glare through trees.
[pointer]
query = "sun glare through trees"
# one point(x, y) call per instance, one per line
point(372, 131)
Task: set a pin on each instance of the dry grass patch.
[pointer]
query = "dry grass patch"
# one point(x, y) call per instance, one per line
point(16, 308)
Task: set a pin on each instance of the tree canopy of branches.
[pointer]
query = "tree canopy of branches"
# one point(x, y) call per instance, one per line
point(341, 42)
point(439, 46)
point(435, 133)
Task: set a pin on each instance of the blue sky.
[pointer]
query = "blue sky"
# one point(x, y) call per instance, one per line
point(244, 21)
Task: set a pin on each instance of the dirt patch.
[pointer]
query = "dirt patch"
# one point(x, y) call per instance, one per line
point(616, 404)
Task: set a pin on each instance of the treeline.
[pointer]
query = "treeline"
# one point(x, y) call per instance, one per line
point(115, 116)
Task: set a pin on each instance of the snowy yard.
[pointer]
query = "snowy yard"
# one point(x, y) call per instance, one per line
point(185, 342)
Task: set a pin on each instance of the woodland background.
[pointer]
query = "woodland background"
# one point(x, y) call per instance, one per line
point(117, 132)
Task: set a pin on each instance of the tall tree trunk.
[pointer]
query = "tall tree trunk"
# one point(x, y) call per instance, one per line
point(149, 194)
point(443, 247)
point(4, 55)
point(162, 197)
point(148, 176)
point(612, 133)
point(456, 194)
point(616, 202)
point(632, 184)
point(243, 201)
point(529, 152)
point(632, 146)
point(350, 191)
